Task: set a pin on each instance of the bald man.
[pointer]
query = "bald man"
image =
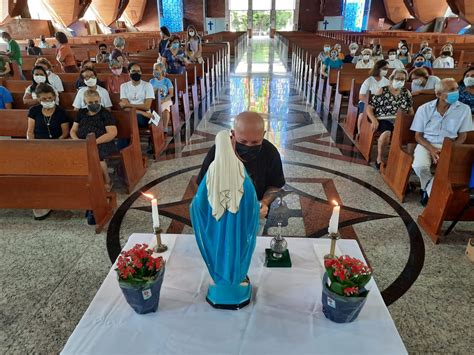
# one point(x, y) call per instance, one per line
point(434, 121)
point(260, 157)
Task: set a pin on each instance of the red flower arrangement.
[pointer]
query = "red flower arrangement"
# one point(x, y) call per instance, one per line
point(138, 266)
point(348, 275)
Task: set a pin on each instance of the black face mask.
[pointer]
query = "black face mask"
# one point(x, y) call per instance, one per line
point(247, 153)
point(103, 52)
point(94, 107)
point(136, 76)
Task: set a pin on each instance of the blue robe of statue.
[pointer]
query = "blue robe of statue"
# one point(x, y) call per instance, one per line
point(226, 245)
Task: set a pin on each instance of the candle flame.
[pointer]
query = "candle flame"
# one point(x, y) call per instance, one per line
point(150, 196)
point(334, 202)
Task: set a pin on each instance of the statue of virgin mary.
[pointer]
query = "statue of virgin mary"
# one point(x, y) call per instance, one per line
point(225, 217)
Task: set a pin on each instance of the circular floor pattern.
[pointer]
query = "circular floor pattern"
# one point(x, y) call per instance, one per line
point(393, 292)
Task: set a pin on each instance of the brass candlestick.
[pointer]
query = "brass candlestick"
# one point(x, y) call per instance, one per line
point(332, 251)
point(160, 247)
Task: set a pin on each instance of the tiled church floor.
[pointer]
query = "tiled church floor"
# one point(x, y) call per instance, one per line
point(52, 269)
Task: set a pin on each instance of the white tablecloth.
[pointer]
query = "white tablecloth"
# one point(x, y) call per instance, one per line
point(284, 317)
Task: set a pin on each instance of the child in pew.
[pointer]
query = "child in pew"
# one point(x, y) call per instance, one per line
point(94, 118)
point(117, 78)
point(46, 121)
point(422, 82)
point(164, 87)
point(39, 76)
point(383, 107)
point(444, 117)
point(53, 78)
point(90, 79)
point(6, 98)
point(466, 88)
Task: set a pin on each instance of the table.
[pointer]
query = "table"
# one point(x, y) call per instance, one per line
point(284, 317)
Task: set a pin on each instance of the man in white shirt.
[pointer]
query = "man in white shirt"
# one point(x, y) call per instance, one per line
point(137, 94)
point(89, 76)
point(434, 121)
point(393, 61)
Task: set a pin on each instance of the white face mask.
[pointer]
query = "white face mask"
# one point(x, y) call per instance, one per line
point(392, 57)
point(468, 81)
point(191, 33)
point(39, 79)
point(48, 104)
point(90, 81)
point(326, 49)
point(366, 57)
point(398, 84)
point(418, 82)
point(383, 72)
point(353, 51)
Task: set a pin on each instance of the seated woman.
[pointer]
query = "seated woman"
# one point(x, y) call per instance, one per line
point(87, 64)
point(53, 78)
point(39, 76)
point(422, 82)
point(466, 89)
point(423, 45)
point(393, 61)
point(46, 121)
point(6, 98)
point(5, 67)
point(338, 48)
point(193, 45)
point(404, 55)
point(366, 62)
point(429, 56)
point(90, 79)
point(117, 78)
point(352, 56)
point(32, 49)
point(165, 38)
point(117, 53)
point(164, 87)
point(371, 85)
point(94, 118)
point(378, 53)
point(333, 62)
point(383, 107)
point(174, 57)
point(65, 55)
point(420, 61)
point(445, 60)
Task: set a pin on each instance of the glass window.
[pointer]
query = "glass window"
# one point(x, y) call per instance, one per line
point(262, 4)
point(284, 20)
point(238, 21)
point(285, 4)
point(238, 5)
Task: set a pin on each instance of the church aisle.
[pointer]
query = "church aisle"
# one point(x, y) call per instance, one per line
point(67, 262)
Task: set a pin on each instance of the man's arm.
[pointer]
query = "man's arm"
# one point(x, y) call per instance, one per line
point(205, 164)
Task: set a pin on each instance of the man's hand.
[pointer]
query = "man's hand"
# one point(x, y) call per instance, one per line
point(435, 152)
point(263, 209)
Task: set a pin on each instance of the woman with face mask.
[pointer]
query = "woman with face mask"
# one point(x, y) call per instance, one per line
point(365, 61)
point(117, 78)
point(86, 64)
point(404, 55)
point(383, 106)
point(46, 121)
point(378, 53)
point(117, 53)
point(193, 45)
point(174, 58)
point(420, 62)
point(422, 82)
point(325, 53)
point(429, 56)
point(351, 57)
point(466, 88)
point(333, 62)
point(445, 60)
point(53, 78)
point(39, 77)
point(165, 39)
point(89, 76)
point(393, 62)
point(164, 87)
point(94, 118)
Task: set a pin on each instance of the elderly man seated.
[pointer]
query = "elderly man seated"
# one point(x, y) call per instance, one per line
point(444, 117)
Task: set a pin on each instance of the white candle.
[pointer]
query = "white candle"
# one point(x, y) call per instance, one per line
point(154, 213)
point(334, 221)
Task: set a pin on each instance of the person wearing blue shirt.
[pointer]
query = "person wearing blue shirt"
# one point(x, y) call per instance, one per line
point(333, 62)
point(164, 87)
point(174, 57)
point(6, 98)
point(434, 121)
point(420, 62)
point(466, 89)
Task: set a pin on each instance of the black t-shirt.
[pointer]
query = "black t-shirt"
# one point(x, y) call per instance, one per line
point(265, 171)
point(95, 123)
point(42, 130)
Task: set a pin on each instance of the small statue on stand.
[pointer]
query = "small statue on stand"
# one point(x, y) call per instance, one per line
point(278, 254)
point(225, 216)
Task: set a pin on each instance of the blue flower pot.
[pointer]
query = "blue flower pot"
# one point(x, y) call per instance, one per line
point(341, 309)
point(144, 298)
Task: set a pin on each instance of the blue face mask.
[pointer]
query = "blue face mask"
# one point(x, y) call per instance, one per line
point(175, 45)
point(419, 64)
point(452, 97)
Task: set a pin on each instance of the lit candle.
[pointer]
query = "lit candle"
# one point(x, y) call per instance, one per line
point(334, 221)
point(154, 213)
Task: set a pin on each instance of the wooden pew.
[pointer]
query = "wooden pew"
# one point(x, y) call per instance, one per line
point(396, 171)
point(449, 193)
point(58, 175)
point(350, 123)
point(181, 88)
